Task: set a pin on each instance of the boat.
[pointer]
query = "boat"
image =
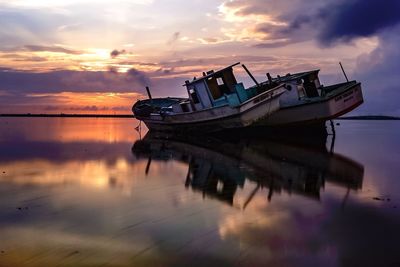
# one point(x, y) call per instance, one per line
point(307, 102)
point(217, 102)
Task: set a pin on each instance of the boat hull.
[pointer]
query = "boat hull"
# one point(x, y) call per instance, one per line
point(317, 112)
point(225, 117)
point(264, 114)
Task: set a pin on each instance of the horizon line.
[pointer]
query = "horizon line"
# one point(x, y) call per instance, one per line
point(66, 115)
point(91, 115)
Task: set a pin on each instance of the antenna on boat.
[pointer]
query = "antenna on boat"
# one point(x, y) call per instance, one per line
point(344, 73)
point(149, 94)
point(251, 75)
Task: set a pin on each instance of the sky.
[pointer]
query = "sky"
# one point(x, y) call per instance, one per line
point(97, 56)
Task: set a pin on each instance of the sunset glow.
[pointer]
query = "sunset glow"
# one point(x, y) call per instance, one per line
point(84, 51)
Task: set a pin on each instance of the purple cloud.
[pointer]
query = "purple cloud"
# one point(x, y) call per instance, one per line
point(73, 81)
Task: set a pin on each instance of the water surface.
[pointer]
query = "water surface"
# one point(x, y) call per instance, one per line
point(96, 192)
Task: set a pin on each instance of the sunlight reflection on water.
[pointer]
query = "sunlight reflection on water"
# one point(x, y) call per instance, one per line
point(89, 192)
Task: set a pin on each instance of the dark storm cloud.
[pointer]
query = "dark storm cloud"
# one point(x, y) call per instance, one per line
point(379, 71)
point(345, 20)
point(358, 18)
point(329, 22)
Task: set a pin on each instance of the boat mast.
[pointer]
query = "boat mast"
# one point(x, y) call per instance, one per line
point(149, 94)
point(341, 66)
point(251, 75)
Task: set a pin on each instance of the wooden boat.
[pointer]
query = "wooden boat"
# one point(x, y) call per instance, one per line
point(307, 102)
point(218, 102)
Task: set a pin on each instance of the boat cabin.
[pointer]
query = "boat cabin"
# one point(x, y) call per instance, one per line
point(218, 88)
point(300, 86)
point(213, 89)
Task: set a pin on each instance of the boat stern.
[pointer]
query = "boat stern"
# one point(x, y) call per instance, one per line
point(347, 101)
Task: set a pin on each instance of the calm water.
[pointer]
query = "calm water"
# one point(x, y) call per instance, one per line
point(88, 192)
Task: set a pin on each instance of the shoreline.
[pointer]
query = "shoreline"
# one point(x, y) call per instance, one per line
point(70, 115)
point(367, 117)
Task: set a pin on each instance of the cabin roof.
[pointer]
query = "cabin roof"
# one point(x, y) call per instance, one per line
point(295, 76)
point(210, 75)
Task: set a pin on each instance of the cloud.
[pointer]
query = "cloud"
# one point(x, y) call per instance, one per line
point(273, 44)
point(31, 59)
point(113, 69)
point(55, 49)
point(88, 108)
point(329, 22)
point(264, 21)
point(138, 76)
point(76, 108)
point(70, 27)
point(174, 38)
point(115, 53)
point(22, 91)
point(165, 71)
point(344, 21)
point(22, 26)
point(72, 81)
point(213, 40)
point(358, 18)
point(379, 72)
point(18, 57)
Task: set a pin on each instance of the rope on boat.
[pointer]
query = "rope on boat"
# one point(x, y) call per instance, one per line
point(139, 129)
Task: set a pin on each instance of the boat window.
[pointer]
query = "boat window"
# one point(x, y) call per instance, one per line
point(301, 91)
point(221, 83)
point(310, 88)
point(194, 96)
point(214, 88)
point(184, 107)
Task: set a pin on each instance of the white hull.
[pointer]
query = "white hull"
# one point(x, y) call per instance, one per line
point(248, 113)
point(318, 111)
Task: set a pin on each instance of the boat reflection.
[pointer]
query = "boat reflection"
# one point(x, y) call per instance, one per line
point(217, 168)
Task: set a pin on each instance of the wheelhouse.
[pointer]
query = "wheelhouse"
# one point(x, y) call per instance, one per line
point(300, 86)
point(214, 89)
